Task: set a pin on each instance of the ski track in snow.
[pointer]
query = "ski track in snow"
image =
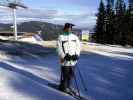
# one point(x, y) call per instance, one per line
point(25, 71)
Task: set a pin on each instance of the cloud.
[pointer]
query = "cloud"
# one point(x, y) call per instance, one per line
point(37, 13)
point(82, 19)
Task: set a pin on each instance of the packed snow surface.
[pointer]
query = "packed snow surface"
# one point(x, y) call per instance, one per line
point(26, 69)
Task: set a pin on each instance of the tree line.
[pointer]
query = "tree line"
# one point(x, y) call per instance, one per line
point(114, 24)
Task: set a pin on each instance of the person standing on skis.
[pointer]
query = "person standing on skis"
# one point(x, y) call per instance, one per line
point(68, 47)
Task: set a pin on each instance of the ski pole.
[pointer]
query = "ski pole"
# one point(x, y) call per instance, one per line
point(61, 78)
point(82, 80)
point(76, 84)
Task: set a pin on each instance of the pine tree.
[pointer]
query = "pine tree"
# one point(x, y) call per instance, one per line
point(131, 6)
point(100, 24)
point(129, 17)
point(120, 7)
point(109, 22)
point(120, 24)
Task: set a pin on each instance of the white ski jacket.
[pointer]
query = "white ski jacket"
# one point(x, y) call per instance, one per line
point(68, 44)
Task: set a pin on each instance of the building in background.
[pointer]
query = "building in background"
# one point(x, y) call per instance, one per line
point(9, 35)
point(85, 35)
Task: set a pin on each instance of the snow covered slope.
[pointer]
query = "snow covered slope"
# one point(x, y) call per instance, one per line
point(25, 70)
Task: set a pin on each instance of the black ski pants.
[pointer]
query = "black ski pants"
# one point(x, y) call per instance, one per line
point(67, 75)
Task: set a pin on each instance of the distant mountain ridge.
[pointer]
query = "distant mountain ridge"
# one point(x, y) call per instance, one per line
point(49, 31)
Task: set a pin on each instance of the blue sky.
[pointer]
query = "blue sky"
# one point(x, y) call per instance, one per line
point(63, 4)
point(80, 12)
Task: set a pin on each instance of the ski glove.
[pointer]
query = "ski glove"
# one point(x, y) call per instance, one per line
point(67, 57)
point(75, 57)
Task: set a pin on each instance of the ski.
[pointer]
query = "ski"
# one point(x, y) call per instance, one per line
point(72, 93)
point(76, 96)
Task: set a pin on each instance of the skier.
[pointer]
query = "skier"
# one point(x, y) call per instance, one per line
point(68, 47)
